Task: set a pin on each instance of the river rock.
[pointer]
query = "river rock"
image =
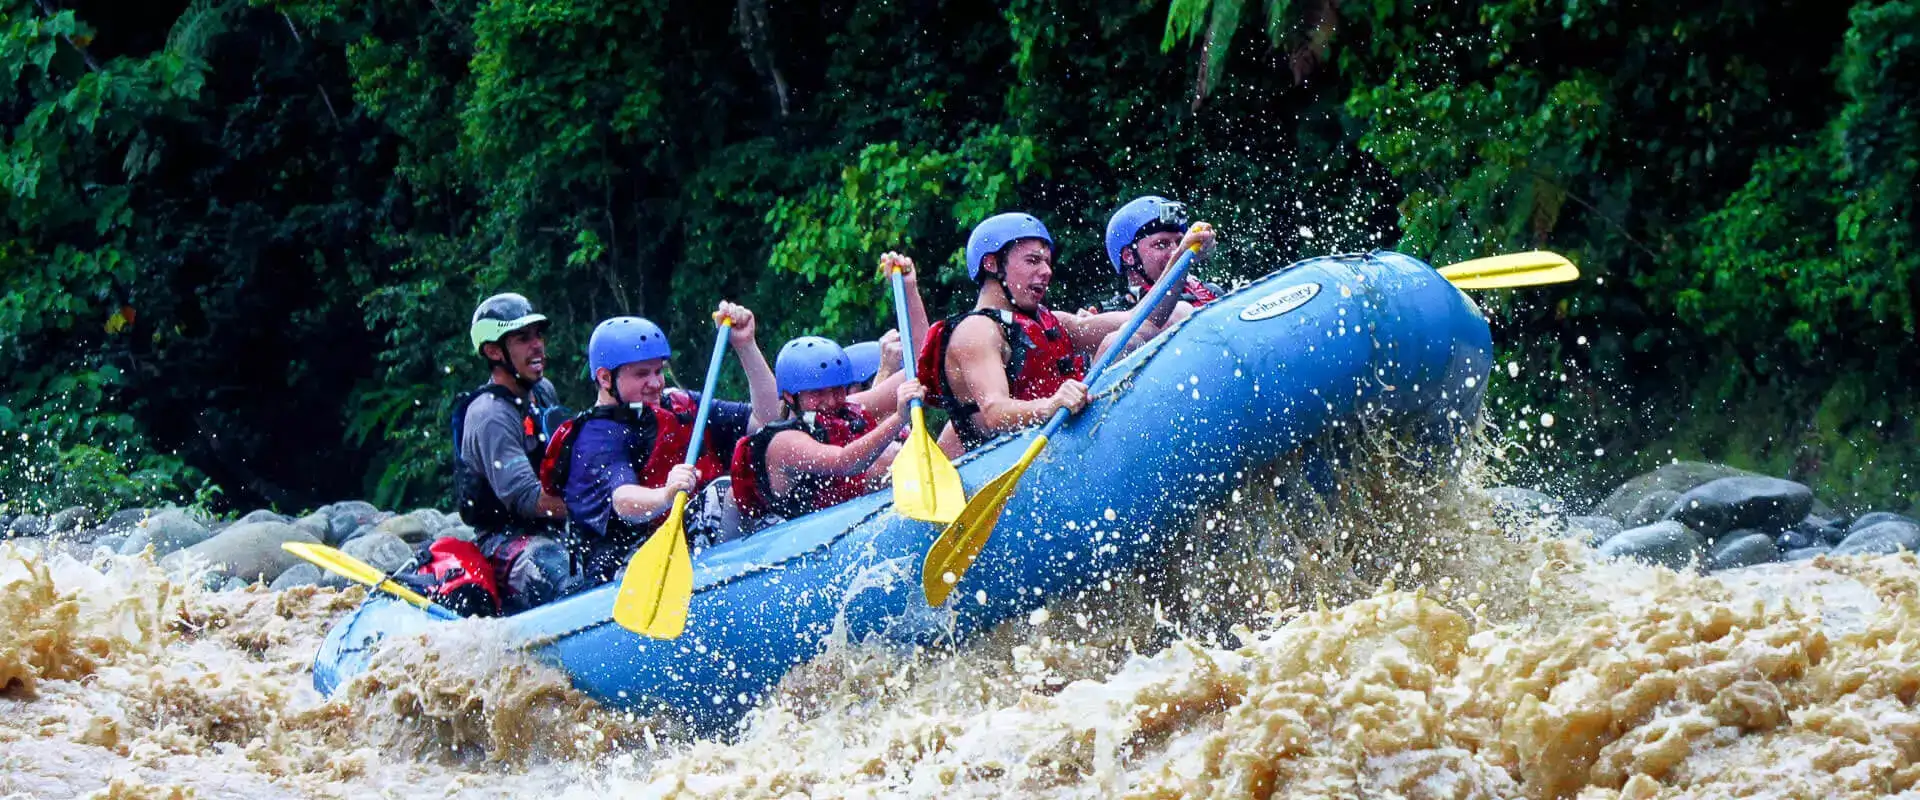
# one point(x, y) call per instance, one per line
point(69, 520)
point(409, 528)
point(385, 551)
point(301, 574)
point(1669, 544)
point(1593, 530)
point(360, 510)
point(1795, 539)
point(120, 522)
point(1762, 504)
point(1873, 518)
point(1805, 553)
point(1818, 528)
point(342, 527)
point(235, 584)
point(1891, 536)
point(1743, 548)
point(167, 531)
point(27, 526)
point(1677, 477)
point(250, 551)
point(317, 525)
point(263, 515)
point(464, 533)
point(1650, 508)
point(107, 544)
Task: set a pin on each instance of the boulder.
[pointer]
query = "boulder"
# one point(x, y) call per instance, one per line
point(409, 528)
point(250, 551)
point(1873, 518)
point(360, 510)
point(1742, 548)
point(1761, 504)
point(235, 584)
point(124, 521)
point(1651, 507)
point(317, 525)
point(343, 526)
point(385, 551)
point(1593, 530)
point(107, 544)
point(1805, 553)
point(263, 515)
point(462, 532)
point(1669, 544)
point(1820, 529)
point(1891, 536)
point(69, 520)
point(27, 526)
point(302, 574)
point(167, 531)
point(1795, 539)
point(1677, 477)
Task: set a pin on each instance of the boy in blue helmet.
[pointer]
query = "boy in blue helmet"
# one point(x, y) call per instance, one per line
point(1011, 362)
point(831, 445)
point(619, 465)
point(1143, 238)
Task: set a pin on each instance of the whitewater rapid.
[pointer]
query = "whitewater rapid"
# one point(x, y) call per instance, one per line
point(1508, 664)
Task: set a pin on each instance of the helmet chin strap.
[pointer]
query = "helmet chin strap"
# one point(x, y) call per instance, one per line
point(1007, 292)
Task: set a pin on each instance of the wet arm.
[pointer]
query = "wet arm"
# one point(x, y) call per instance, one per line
point(979, 370)
point(794, 451)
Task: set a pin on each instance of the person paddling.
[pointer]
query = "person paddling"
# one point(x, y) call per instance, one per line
point(499, 434)
point(1143, 237)
point(831, 446)
point(619, 464)
point(1010, 362)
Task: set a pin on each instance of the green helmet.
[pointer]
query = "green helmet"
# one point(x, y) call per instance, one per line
point(500, 315)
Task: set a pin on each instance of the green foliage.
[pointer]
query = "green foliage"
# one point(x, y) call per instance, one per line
point(247, 236)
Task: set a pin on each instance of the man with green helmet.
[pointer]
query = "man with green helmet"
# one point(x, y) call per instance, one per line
point(499, 434)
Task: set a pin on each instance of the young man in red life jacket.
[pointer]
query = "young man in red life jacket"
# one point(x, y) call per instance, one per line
point(1143, 238)
point(499, 435)
point(1011, 362)
point(619, 466)
point(830, 447)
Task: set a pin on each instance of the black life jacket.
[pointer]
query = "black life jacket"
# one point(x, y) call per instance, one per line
point(480, 507)
point(753, 486)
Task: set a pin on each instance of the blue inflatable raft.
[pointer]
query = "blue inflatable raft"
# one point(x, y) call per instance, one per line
point(1245, 380)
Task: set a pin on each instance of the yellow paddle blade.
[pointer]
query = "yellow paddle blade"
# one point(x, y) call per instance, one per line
point(658, 585)
point(353, 569)
point(951, 554)
point(926, 487)
point(1532, 268)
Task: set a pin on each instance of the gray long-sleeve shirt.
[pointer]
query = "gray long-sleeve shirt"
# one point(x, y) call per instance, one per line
point(494, 442)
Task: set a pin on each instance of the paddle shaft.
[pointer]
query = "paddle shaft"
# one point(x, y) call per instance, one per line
point(1173, 277)
point(706, 391)
point(906, 331)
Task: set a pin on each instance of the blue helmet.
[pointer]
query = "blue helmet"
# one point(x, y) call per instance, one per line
point(811, 362)
point(623, 340)
point(999, 231)
point(1142, 217)
point(865, 358)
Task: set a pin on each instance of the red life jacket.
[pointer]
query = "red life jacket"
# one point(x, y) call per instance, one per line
point(753, 488)
point(1040, 358)
point(666, 441)
point(457, 577)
